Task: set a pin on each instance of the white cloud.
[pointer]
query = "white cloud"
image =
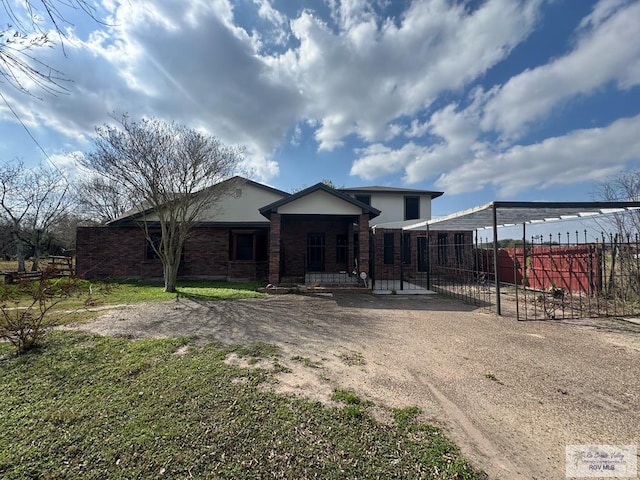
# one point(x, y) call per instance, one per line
point(465, 164)
point(580, 156)
point(180, 61)
point(601, 11)
point(402, 79)
point(266, 11)
point(378, 160)
point(609, 52)
point(454, 132)
point(455, 138)
point(67, 164)
point(416, 129)
point(373, 71)
point(278, 33)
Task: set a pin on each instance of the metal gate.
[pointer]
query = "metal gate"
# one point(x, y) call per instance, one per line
point(399, 261)
point(550, 277)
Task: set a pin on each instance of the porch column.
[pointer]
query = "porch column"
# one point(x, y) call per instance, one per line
point(363, 241)
point(274, 249)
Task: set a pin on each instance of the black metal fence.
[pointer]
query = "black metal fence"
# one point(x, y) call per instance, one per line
point(462, 266)
point(556, 276)
point(558, 279)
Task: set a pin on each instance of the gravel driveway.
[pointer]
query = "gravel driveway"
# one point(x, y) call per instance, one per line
point(511, 394)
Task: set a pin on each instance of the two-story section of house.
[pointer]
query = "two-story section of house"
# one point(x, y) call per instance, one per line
point(400, 206)
point(391, 248)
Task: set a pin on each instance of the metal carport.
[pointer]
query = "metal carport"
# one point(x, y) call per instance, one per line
point(509, 213)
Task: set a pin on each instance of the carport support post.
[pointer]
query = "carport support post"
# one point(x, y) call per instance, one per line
point(524, 255)
point(495, 258)
point(401, 259)
point(428, 253)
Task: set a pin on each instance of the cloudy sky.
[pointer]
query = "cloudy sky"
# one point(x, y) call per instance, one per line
point(484, 100)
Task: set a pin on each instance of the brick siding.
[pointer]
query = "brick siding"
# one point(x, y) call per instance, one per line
point(120, 252)
point(384, 271)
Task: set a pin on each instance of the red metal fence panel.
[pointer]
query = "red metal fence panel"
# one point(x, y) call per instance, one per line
point(574, 268)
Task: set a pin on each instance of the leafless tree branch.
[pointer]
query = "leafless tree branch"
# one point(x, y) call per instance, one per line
point(624, 187)
point(31, 200)
point(172, 175)
point(29, 30)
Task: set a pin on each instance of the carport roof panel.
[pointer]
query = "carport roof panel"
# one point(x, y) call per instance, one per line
point(517, 213)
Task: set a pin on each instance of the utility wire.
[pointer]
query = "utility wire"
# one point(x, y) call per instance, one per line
point(46, 155)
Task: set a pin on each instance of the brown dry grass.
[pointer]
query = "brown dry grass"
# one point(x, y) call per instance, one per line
point(12, 265)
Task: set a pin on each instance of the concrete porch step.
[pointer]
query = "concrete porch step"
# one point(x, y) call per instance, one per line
point(330, 278)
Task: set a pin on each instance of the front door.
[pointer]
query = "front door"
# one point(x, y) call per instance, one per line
point(315, 252)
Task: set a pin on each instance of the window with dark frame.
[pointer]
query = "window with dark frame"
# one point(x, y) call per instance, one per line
point(442, 248)
point(262, 247)
point(366, 199)
point(388, 248)
point(150, 252)
point(249, 246)
point(342, 248)
point(406, 248)
point(244, 246)
point(411, 208)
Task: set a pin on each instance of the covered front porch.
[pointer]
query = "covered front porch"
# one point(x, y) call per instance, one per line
point(318, 237)
point(320, 249)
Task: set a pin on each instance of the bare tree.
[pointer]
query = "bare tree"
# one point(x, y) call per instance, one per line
point(62, 235)
point(101, 199)
point(14, 208)
point(26, 311)
point(171, 174)
point(50, 201)
point(30, 30)
point(6, 239)
point(623, 282)
point(624, 187)
point(31, 200)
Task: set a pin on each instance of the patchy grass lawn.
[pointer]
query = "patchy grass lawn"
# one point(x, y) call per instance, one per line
point(131, 292)
point(99, 407)
point(106, 293)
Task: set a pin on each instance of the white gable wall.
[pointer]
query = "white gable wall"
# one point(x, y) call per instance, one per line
point(391, 206)
point(319, 203)
point(243, 208)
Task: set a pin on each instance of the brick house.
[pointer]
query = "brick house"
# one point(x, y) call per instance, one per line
point(257, 232)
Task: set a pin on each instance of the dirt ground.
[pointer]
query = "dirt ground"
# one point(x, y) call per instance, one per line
point(511, 394)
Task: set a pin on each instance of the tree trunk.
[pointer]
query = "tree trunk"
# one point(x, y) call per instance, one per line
point(36, 252)
point(19, 251)
point(170, 277)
